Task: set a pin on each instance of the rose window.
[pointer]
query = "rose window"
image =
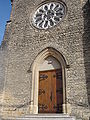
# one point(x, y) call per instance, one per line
point(49, 15)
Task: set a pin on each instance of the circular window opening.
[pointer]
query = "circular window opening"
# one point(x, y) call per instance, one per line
point(49, 15)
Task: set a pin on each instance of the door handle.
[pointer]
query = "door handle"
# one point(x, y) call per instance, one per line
point(51, 97)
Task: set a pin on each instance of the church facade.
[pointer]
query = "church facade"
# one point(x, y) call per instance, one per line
point(45, 59)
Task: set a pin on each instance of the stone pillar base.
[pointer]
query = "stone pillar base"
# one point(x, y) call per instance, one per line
point(67, 109)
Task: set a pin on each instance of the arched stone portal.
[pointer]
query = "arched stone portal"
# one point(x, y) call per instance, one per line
point(50, 91)
point(48, 59)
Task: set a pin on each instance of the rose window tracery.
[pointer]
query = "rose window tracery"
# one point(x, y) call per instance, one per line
point(49, 15)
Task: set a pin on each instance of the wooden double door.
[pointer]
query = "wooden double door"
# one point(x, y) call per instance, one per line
point(50, 98)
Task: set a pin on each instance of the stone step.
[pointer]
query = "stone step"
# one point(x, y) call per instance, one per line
point(45, 117)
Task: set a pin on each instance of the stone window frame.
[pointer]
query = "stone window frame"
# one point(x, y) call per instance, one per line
point(42, 3)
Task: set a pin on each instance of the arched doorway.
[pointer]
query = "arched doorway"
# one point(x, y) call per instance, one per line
point(59, 64)
point(50, 93)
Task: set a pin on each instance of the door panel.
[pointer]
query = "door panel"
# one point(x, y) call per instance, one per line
point(50, 91)
point(44, 92)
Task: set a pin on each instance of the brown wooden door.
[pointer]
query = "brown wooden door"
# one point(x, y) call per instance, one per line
point(50, 91)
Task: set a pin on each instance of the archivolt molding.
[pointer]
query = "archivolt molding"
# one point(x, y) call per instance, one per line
point(49, 51)
point(35, 76)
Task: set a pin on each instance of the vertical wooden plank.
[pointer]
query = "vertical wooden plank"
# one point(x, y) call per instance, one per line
point(53, 89)
point(44, 92)
point(59, 90)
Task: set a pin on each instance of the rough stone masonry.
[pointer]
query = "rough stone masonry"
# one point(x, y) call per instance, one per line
point(23, 42)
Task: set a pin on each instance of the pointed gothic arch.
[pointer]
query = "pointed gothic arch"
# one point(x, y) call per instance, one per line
point(35, 76)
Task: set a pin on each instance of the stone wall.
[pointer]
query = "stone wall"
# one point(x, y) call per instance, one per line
point(86, 46)
point(1, 79)
point(23, 42)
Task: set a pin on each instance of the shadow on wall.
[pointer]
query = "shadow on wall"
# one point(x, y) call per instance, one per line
point(86, 45)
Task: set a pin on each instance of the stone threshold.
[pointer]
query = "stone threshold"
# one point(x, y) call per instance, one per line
point(43, 117)
point(48, 115)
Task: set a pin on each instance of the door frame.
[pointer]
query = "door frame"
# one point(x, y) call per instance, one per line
point(35, 77)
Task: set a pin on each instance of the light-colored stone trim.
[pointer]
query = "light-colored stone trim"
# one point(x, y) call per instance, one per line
point(35, 76)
